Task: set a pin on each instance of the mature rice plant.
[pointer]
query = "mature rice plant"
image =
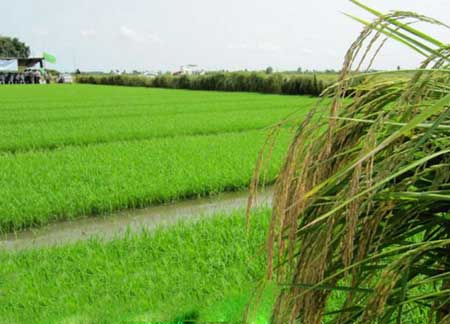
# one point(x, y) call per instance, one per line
point(361, 211)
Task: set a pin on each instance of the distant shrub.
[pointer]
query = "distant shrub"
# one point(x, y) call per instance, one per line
point(276, 83)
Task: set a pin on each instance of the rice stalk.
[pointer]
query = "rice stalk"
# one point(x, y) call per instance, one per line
point(363, 200)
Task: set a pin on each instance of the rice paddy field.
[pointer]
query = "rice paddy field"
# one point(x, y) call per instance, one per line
point(70, 151)
point(75, 151)
point(198, 273)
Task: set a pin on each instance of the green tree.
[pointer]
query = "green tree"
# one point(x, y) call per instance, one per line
point(269, 70)
point(13, 47)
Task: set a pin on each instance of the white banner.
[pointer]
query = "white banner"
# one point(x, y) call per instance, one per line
point(9, 65)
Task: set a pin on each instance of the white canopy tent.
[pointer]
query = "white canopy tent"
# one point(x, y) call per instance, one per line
point(9, 65)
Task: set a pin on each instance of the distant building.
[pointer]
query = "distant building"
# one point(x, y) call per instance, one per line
point(150, 74)
point(190, 69)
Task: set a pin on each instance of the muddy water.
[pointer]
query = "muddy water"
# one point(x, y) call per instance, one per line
point(117, 224)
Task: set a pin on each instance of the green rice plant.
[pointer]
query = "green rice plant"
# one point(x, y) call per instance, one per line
point(46, 118)
point(66, 183)
point(360, 222)
point(206, 269)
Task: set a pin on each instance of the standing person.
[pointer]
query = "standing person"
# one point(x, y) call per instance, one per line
point(37, 77)
point(2, 78)
point(27, 76)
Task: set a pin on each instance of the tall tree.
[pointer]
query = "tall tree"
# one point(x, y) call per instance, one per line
point(13, 47)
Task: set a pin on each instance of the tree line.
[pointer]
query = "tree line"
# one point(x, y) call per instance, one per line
point(13, 47)
point(275, 83)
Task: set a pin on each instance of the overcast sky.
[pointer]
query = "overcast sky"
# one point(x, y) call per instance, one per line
point(215, 34)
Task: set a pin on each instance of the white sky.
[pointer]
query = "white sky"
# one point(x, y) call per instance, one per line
point(215, 34)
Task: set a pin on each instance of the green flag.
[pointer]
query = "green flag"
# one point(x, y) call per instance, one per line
point(49, 58)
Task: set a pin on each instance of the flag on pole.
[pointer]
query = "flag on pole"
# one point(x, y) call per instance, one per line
point(49, 58)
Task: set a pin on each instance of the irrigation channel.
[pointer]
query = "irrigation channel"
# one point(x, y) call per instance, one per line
point(118, 224)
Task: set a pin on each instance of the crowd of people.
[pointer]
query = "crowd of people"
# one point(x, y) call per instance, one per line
point(27, 77)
